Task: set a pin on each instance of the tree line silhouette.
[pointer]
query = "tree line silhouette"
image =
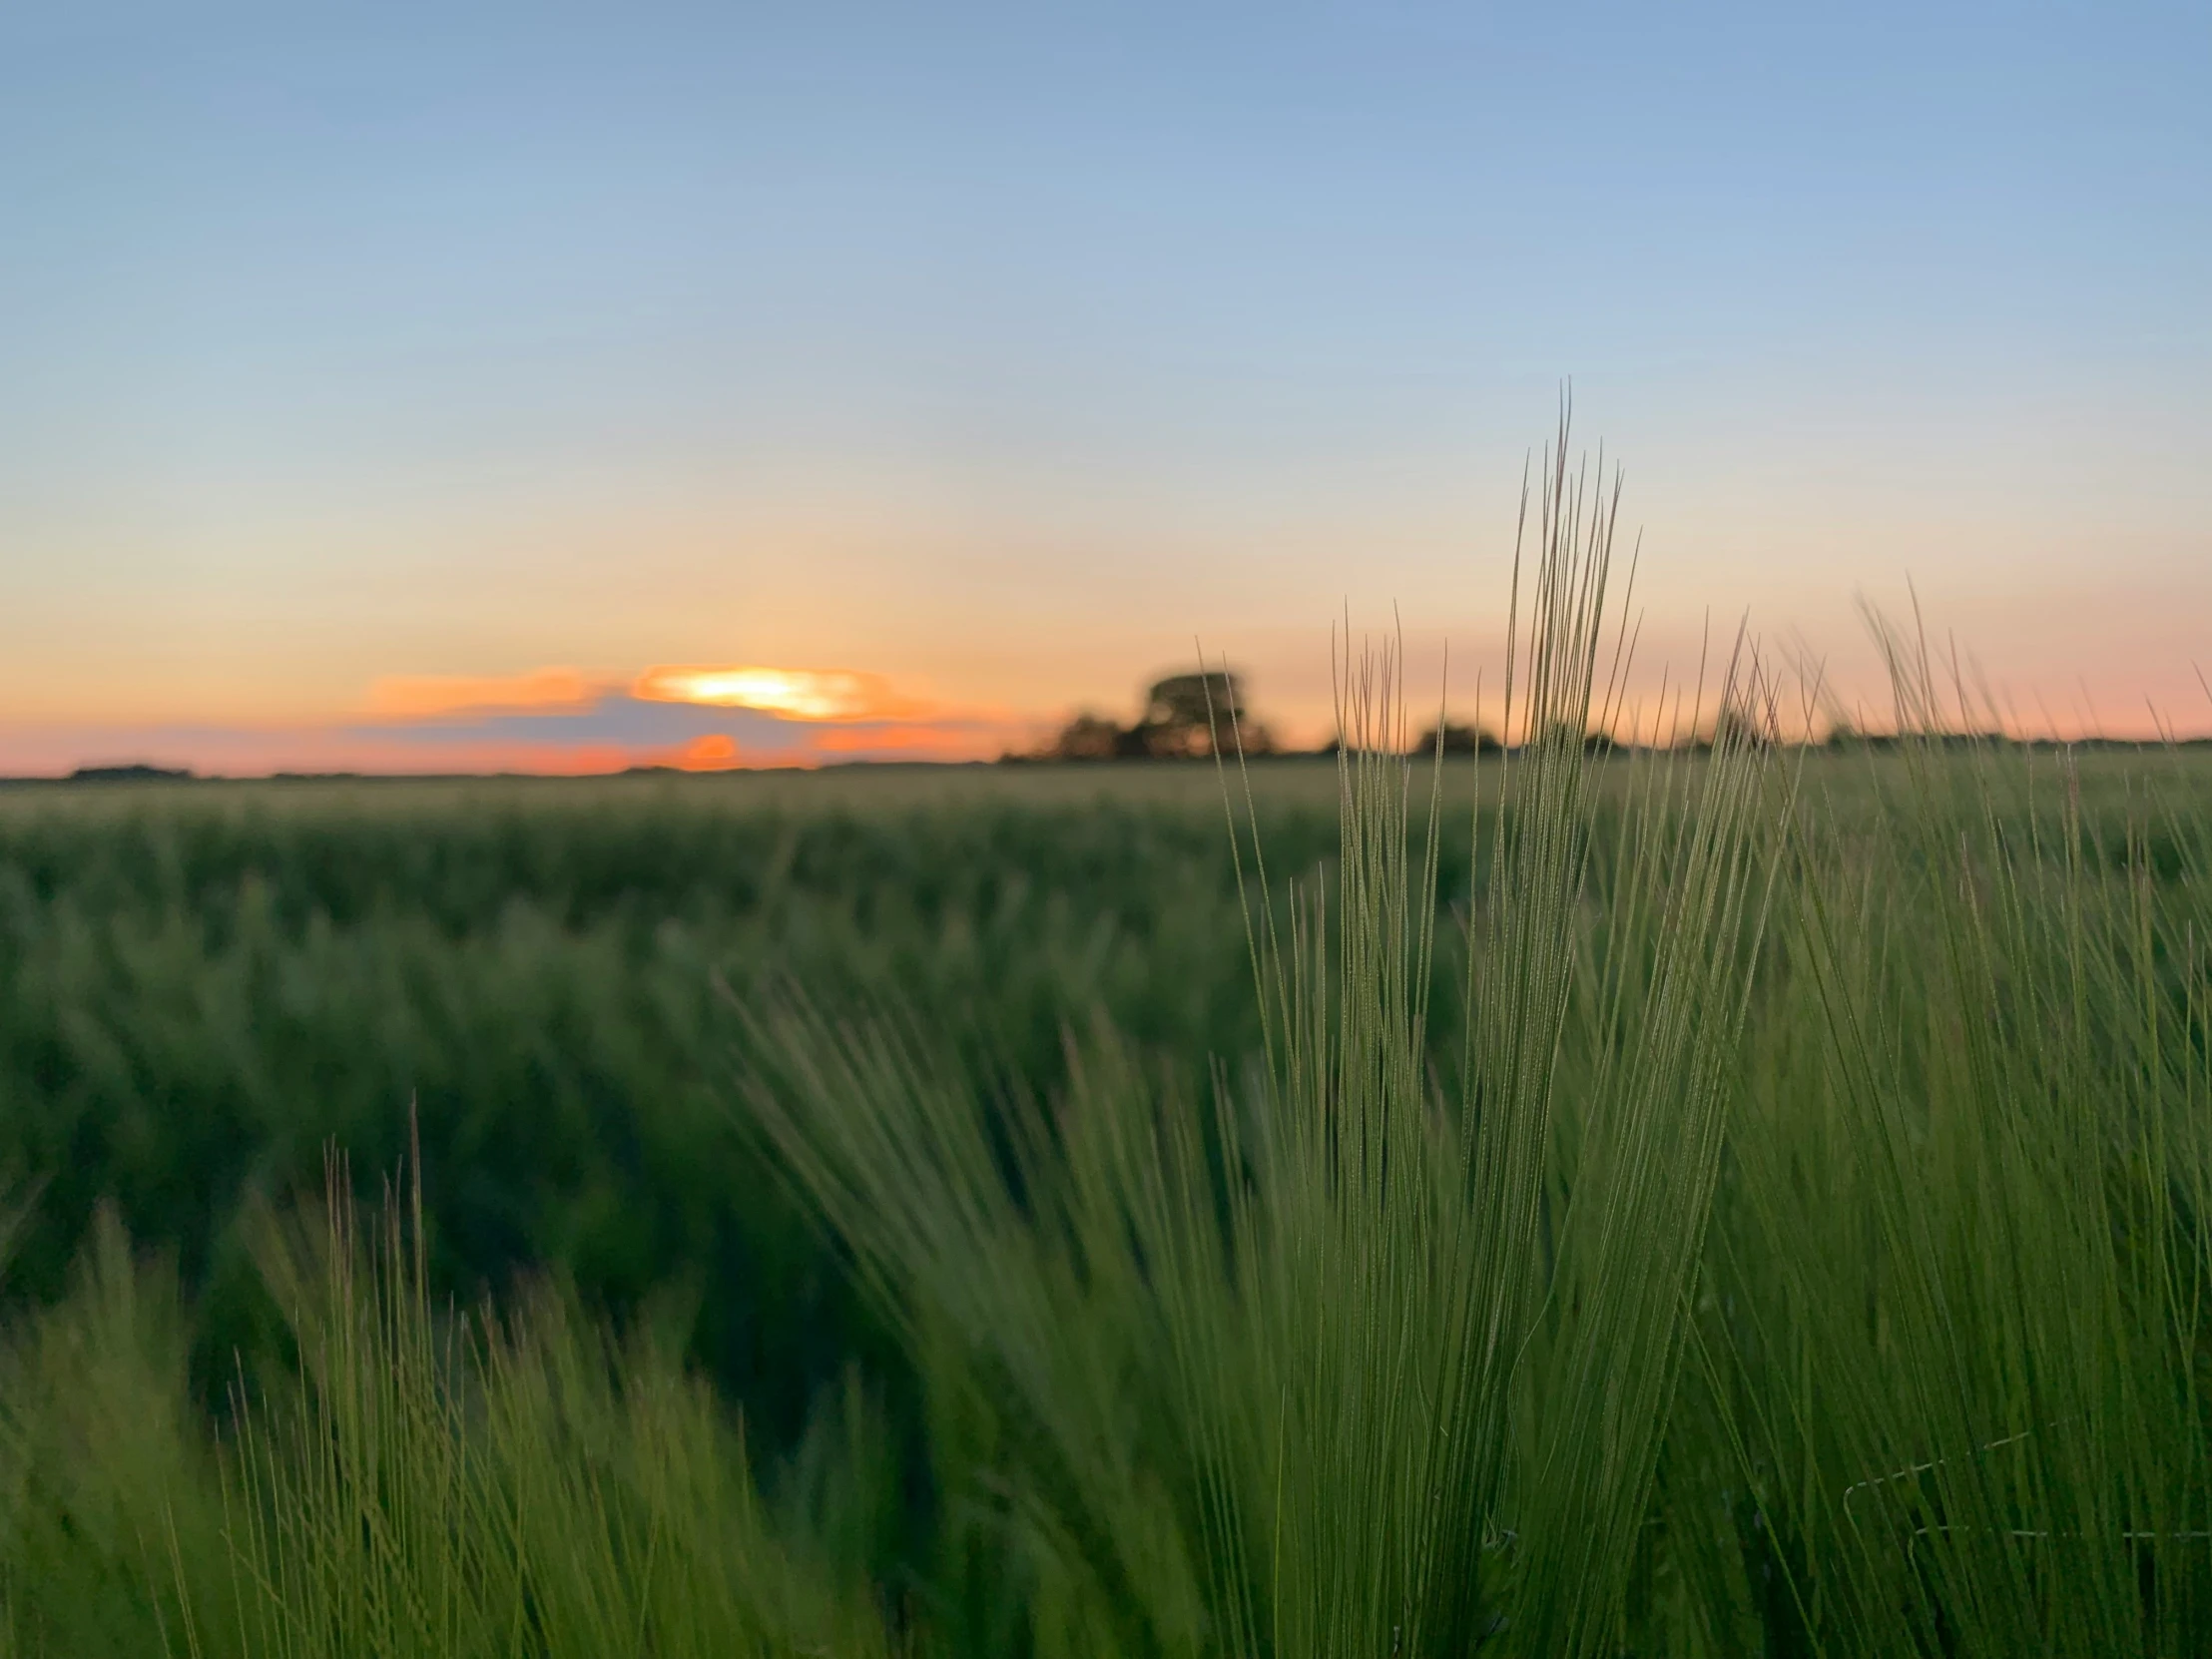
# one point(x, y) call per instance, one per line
point(1183, 715)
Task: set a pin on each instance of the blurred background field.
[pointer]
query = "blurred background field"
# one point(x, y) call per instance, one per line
point(207, 983)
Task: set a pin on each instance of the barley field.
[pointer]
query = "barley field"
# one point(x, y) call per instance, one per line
point(1742, 1201)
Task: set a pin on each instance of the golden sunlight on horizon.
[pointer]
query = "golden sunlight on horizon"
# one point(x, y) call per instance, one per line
point(797, 694)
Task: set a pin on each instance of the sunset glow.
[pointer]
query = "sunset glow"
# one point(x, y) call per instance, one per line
point(799, 694)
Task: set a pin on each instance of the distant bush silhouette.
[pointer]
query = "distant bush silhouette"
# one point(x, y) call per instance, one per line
point(1088, 736)
point(1458, 740)
point(134, 772)
point(1566, 737)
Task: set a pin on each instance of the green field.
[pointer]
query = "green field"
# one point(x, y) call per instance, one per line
point(909, 1210)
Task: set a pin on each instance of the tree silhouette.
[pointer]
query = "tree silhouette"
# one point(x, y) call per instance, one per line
point(1184, 712)
point(1182, 715)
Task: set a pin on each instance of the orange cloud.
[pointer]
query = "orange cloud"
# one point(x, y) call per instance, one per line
point(421, 697)
point(796, 693)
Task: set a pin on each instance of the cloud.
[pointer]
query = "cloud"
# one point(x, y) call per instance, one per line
point(424, 697)
point(559, 722)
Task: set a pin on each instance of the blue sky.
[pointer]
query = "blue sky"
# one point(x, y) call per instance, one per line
point(1001, 350)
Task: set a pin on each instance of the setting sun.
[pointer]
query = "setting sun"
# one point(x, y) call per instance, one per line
point(714, 752)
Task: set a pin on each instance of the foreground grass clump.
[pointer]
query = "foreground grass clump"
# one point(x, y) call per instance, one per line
point(427, 1484)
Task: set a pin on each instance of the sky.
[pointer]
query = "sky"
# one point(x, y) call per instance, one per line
point(425, 388)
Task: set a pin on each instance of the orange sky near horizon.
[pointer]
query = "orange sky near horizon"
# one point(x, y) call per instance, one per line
point(562, 719)
point(916, 624)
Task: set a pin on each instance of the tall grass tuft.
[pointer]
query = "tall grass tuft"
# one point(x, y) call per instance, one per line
point(499, 1486)
point(1320, 1365)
